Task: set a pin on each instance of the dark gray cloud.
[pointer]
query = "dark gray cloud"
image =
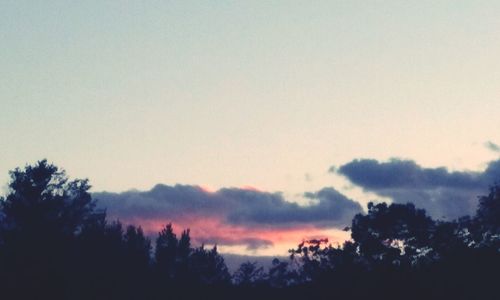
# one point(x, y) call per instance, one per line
point(160, 202)
point(233, 205)
point(441, 192)
point(244, 208)
point(492, 146)
point(331, 209)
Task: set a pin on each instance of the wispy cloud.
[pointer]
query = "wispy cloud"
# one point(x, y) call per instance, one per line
point(492, 146)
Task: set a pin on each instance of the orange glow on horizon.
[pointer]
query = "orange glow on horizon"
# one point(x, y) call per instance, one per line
point(211, 230)
point(207, 189)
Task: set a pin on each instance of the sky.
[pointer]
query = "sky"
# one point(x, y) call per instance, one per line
point(289, 115)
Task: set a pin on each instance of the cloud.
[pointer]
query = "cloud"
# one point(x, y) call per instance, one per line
point(251, 244)
point(332, 209)
point(231, 216)
point(254, 244)
point(492, 146)
point(441, 192)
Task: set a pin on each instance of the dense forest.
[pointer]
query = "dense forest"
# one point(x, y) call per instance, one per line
point(55, 244)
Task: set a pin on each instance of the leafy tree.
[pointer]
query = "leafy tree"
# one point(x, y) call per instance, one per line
point(486, 224)
point(397, 235)
point(207, 267)
point(280, 275)
point(41, 215)
point(41, 198)
point(488, 212)
point(319, 260)
point(249, 274)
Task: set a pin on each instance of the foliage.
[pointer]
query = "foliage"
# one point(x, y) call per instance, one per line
point(249, 274)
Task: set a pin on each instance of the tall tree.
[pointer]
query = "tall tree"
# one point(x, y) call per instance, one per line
point(41, 215)
point(41, 198)
point(207, 267)
point(166, 252)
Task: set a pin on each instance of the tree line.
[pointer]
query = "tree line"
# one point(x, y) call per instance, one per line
point(55, 244)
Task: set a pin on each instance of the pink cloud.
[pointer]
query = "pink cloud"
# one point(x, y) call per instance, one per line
point(212, 230)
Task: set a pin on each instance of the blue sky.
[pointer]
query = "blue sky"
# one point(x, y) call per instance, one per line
point(268, 94)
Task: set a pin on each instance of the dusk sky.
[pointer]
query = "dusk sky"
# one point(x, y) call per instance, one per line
point(255, 123)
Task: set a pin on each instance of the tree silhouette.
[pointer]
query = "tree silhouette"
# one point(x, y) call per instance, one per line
point(280, 275)
point(487, 220)
point(207, 267)
point(42, 199)
point(488, 212)
point(137, 257)
point(137, 247)
point(183, 256)
point(166, 253)
point(42, 213)
point(249, 274)
point(394, 235)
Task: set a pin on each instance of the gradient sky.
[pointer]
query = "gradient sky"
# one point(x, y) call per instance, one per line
point(263, 94)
